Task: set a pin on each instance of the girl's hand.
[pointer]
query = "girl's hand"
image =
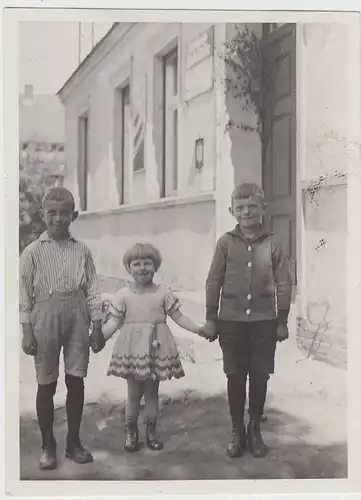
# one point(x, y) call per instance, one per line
point(209, 331)
point(105, 310)
point(111, 326)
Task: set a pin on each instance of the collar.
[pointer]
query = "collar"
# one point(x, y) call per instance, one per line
point(45, 237)
point(260, 234)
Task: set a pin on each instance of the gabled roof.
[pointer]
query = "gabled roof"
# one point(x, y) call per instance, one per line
point(116, 32)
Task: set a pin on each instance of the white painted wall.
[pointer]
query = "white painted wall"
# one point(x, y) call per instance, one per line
point(186, 235)
point(196, 119)
point(324, 118)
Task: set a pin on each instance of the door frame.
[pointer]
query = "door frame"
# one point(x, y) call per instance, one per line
point(301, 114)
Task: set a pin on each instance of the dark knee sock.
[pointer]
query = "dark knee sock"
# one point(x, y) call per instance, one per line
point(236, 390)
point(257, 395)
point(45, 411)
point(74, 407)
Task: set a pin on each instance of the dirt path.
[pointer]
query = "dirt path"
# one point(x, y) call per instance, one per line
point(195, 433)
point(195, 427)
point(306, 430)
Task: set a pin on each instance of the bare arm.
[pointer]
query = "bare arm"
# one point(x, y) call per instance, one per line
point(185, 322)
point(111, 326)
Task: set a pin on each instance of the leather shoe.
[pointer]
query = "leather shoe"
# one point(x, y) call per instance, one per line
point(48, 459)
point(78, 454)
point(256, 445)
point(238, 444)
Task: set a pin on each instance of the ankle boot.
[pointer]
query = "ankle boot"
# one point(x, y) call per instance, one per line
point(238, 443)
point(152, 439)
point(76, 452)
point(256, 445)
point(131, 441)
point(48, 458)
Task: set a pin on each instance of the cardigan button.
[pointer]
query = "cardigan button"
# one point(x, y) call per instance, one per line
point(249, 296)
point(248, 312)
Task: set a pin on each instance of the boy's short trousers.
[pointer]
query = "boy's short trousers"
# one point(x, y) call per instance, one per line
point(248, 347)
point(61, 320)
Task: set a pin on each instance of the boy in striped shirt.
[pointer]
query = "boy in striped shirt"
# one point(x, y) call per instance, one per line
point(59, 297)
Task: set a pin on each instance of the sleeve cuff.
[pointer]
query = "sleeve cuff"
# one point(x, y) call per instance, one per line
point(25, 317)
point(282, 316)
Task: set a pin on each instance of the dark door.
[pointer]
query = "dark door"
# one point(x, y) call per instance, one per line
point(279, 153)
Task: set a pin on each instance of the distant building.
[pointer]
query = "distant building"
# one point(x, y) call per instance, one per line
point(41, 134)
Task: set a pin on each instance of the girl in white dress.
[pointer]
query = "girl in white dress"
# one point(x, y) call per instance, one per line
point(145, 351)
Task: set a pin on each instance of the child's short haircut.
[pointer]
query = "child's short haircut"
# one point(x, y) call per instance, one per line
point(58, 194)
point(248, 190)
point(142, 251)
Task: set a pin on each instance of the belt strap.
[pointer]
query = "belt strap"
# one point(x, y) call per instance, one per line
point(58, 295)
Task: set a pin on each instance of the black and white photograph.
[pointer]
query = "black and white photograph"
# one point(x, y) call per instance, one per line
point(182, 247)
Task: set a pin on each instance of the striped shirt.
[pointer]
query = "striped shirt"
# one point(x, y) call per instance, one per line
point(46, 267)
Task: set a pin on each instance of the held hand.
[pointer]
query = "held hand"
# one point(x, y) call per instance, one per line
point(209, 331)
point(282, 332)
point(97, 340)
point(29, 344)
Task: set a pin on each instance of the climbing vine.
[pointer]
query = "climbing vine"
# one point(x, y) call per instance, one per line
point(250, 77)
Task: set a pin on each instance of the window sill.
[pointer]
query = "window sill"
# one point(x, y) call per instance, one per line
point(161, 203)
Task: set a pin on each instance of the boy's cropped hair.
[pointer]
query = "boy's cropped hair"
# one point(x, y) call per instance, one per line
point(58, 194)
point(142, 251)
point(248, 190)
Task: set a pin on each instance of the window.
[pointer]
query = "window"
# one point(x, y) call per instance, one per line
point(170, 124)
point(122, 141)
point(83, 130)
point(270, 27)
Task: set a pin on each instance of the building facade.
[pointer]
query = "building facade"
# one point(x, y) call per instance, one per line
point(155, 144)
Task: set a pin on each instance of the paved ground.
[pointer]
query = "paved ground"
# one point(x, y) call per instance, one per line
point(194, 424)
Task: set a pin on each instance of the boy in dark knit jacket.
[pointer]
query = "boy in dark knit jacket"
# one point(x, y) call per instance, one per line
point(248, 296)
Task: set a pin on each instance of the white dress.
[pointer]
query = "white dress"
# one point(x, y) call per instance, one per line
point(145, 347)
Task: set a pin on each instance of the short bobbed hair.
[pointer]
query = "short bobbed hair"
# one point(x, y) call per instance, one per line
point(60, 194)
point(142, 251)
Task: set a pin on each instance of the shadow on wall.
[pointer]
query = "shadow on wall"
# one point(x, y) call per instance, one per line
point(195, 432)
